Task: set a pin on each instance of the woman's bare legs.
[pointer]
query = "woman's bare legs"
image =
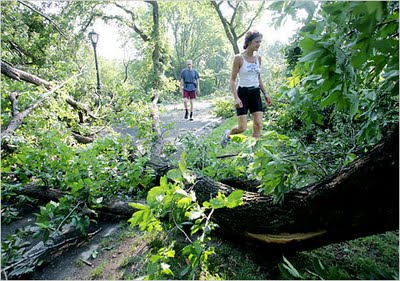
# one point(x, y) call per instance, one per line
point(257, 123)
point(242, 125)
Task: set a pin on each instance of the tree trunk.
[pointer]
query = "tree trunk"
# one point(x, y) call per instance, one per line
point(230, 27)
point(360, 199)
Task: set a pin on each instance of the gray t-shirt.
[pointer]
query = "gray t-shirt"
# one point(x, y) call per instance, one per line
point(189, 77)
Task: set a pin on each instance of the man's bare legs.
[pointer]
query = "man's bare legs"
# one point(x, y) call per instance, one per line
point(185, 104)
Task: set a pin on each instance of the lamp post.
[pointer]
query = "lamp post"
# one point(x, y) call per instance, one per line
point(94, 37)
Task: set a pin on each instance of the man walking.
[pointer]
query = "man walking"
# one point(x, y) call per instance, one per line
point(189, 84)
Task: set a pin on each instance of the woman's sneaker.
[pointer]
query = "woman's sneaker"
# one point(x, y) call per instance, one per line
point(225, 138)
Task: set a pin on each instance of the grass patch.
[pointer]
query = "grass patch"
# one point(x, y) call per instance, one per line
point(367, 258)
point(97, 273)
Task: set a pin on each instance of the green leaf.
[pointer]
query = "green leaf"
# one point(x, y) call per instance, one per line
point(307, 44)
point(330, 99)
point(217, 203)
point(375, 8)
point(174, 175)
point(184, 202)
point(195, 213)
point(137, 218)
point(358, 59)
point(235, 199)
point(185, 270)
point(240, 138)
point(312, 55)
point(291, 269)
point(153, 194)
point(166, 269)
point(182, 162)
point(170, 253)
point(138, 206)
point(353, 102)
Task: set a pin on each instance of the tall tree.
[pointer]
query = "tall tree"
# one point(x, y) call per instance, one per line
point(236, 20)
point(196, 35)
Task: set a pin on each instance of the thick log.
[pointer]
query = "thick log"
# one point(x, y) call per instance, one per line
point(360, 199)
point(115, 207)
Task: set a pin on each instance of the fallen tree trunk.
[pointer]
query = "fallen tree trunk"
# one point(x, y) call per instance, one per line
point(360, 199)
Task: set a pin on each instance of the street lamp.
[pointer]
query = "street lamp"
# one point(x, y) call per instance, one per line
point(94, 37)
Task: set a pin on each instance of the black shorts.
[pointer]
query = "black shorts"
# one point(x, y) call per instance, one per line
point(251, 100)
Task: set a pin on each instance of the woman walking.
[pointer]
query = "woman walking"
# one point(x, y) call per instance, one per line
point(247, 95)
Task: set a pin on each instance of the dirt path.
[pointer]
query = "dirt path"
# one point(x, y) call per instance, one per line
point(81, 263)
point(203, 120)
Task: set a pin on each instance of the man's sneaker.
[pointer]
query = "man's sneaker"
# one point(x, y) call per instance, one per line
point(186, 114)
point(191, 116)
point(225, 138)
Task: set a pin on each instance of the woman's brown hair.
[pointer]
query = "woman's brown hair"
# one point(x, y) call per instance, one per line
point(250, 36)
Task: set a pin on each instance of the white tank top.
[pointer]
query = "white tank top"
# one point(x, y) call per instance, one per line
point(248, 73)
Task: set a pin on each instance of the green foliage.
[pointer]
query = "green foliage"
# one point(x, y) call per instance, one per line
point(223, 107)
point(357, 259)
point(340, 98)
point(171, 208)
point(343, 64)
point(13, 249)
point(100, 169)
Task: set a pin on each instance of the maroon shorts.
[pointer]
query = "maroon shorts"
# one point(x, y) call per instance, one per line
point(189, 94)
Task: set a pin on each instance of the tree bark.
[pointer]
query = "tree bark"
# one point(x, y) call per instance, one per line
point(361, 199)
point(18, 117)
point(19, 75)
point(69, 237)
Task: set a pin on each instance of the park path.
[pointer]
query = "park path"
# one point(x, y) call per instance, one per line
point(204, 121)
point(77, 263)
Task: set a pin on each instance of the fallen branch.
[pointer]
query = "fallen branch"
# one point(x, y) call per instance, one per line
point(16, 74)
point(18, 117)
point(43, 250)
point(344, 206)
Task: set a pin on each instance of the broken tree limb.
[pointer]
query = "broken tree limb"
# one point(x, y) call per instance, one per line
point(43, 250)
point(17, 119)
point(16, 74)
point(116, 207)
point(359, 200)
point(82, 139)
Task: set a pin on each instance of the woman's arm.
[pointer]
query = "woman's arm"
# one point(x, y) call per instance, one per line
point(262, 88)
point(235, 70)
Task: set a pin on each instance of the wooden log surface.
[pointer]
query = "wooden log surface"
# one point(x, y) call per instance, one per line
point(361, 199)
